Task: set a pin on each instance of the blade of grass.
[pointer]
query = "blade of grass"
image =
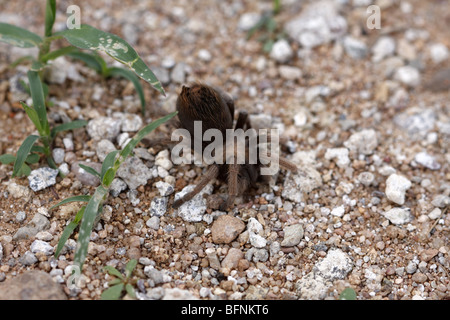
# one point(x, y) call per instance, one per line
point(50, 15)
point(18, 37)
point(32, 158)
point(130, 267)
point(32, 114)
point(113, 293)
point(90, 60)
point(76, 124)
point(58, 53)
point(23, 152)
point(37, 94)
point(89, 170)
point(108, 162)
point(114, 272)
point(72, 199)
point(129, 75)
point(68, 230)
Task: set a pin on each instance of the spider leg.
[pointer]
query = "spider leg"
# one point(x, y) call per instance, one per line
point(283, 162)
point(233, 187)
point(242, 120)
point(210, 174)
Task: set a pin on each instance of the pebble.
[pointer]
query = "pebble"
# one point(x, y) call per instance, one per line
point(104, 128)
point(204, 55)
point(42, 178)
point(441, 201)
point(212, 258)
point(162, 74)
point(338, 211)
point(37, 224)
point(366, 178)
point(130, 122)
point(193, 210)
point(134, 172)
point(178, 294)
point(396, 186)
point(411, 267)
point(435, 214)
point(18, 191)
point(338, 154)
point(178, 73)
point(398, 216)
point(355, 48)
point(248, 20)
point(85, 177)
point(58, 155)
point(427, 161)
point(318, 23)
point(363, 142)
point(153, 222)
point(408, 75)
point(28, 259)
point(438, 52)
point(304, 181)
point(162, 160)
point(428, 254)
point(117, 186)
point(232, 258)
point(289, 72)
point(158, 206)
point(21, 216)
point(56, 72)
point(68, 144)
point(256, 230)
point(384, 47)
point(292, 235)
point(104, 147)
point(281, 51)
point(165, 189)
point(226, 228)
point(41, 247)
point(417, 122)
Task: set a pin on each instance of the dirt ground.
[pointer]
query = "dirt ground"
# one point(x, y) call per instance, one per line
point(368, 125)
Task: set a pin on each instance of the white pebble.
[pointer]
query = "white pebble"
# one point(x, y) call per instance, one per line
point(396, 187)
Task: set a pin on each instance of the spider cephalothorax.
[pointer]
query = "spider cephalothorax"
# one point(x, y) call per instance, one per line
point(215, 110)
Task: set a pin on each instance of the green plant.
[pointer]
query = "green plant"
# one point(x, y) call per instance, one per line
point(121, 283)
point(85, 38)
point(269, 27)
point(87, 214)
point(28, 152)
point(347, 294)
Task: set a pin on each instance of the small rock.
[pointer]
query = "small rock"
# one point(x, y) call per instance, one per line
point(178, 74)
point(232, 258)
point(411, 267)
point(57, 71)
point(435, 213)
point(38, 223)
point(130, 122)
point(292, 235)
point(355, 48)
point(58, 155)
point(85, 177)
point(363, 142)
point(340, 155)
point(193, 210)
point(42, 247)
point(398, 215)
point(438, 52)
point(18, 191)
point(248, 20)
point(428, 254)
point(204, 55)
point(384, 47)
point(419, 277)
point(104, 147)
point(21, 216)
point(134, 172)
point(31, 285)
point(396, 187)
point(178, 294)
point(441, 201)
point(104, 128)
point(416, 124)
point(338, 211)
point(42, 178)
point(281, 51)
point(162, 74)
point(68, 144)
point(336, 265)
point(28, 259)
point(256, 231)
point(212, 258)
point(304, 181)
point(117, 186)
point(366, 178)
point(226, 228)
point(406, 50)
point(257, 255)
point(162, 160)
point(153, 223)
point(156, 276)
point(165, 189)
point(158, 206)
point(427, 161)
point(289, 72)
point(408, 75)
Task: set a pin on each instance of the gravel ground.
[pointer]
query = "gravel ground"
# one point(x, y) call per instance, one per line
point(363, 113)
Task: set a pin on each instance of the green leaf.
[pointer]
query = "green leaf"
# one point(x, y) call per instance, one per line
point(127, 74)
point(89, 170)
point(267, 47)
point(50, 14)
point(90, 38)
point(68, 230)
point(115, 281)
point(20, 60)
point(108, 177)
point(18, 37)
point(113, 293)
point(32, 114)
point(7, 158)
point(347, 294)
point(87, 224)
point(130, 290)
point(130, 267)
point(32, 158)
point(25, 170)
point(72, 199)
point(39, 149)
point(37, 66)
point(108, 163)
point(37, 94)
point(113, 271)
point(76, 124)
point(142, 133)
point(58, 53)
point(23, 152)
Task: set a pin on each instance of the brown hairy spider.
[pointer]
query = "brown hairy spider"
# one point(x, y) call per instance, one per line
point(215, 108)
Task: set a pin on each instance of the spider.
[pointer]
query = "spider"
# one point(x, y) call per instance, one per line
point(215, 108)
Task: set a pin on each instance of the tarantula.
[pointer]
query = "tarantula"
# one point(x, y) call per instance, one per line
point(215, 108)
